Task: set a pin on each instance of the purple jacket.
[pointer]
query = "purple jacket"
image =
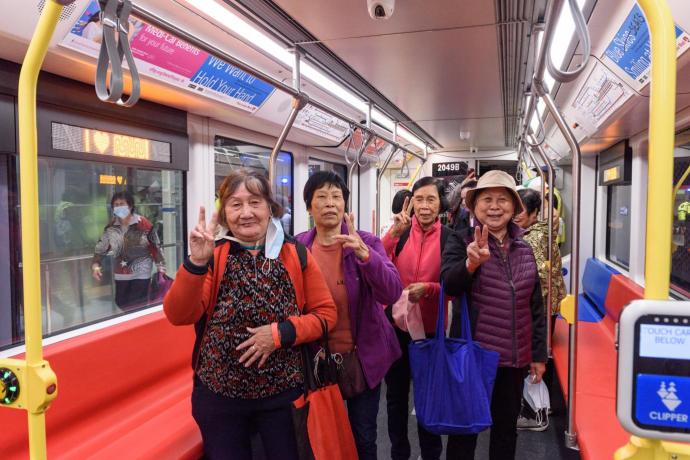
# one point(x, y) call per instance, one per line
point(370, 286)
point(504, 296)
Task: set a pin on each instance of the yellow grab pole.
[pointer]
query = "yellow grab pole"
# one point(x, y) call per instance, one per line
point(414, 176)
point(662, 111)
point(679, 184)
point(659, 188)
point(28, 167)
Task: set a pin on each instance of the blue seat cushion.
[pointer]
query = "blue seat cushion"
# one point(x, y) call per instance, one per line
point(595, 283)
point(587, 311)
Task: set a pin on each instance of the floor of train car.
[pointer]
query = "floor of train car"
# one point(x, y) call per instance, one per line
point(531, 445)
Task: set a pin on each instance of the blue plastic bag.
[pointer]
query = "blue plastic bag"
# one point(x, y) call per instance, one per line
point(453, 379)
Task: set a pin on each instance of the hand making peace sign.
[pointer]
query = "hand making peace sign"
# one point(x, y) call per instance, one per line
point(478, 250)
point(403, 221)
point(202, 238)
point(353, 240)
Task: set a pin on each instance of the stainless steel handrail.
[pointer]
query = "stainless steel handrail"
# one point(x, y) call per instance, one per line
point(581, 29)
point(365, 143)
point(150, 17)
point(379, 175)
point(549, 296)
point(298, 104)
point(571, 434)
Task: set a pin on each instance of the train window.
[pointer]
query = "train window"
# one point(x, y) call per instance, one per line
point(322, 165)
point(89, 272)
point(231, 154)
point(680, 260)
point(618, 225)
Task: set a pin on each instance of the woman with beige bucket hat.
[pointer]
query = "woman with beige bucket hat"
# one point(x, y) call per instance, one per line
point(496, 270)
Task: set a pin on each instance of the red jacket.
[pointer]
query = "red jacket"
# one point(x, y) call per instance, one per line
point(420, 261)
point(192, 293)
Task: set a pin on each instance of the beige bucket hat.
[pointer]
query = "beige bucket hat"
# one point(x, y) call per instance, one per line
point(493, 179)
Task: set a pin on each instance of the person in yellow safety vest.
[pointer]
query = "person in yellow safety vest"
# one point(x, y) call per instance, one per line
point(683, 211)
point(534, 183)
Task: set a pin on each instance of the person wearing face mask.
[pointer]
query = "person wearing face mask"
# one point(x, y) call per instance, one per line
point(253, 298)
point(361, 279)
point(495, 268)
point(133, 244)
point(415, 244)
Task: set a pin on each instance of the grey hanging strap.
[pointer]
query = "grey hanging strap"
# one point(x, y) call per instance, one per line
point(115, 47)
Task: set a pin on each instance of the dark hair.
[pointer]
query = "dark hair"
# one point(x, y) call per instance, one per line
point(440, 188)
point(95, 17)
point(123, 195)
point(399, 200)
point(255, 182)
point(321, 178)
point(530, 200)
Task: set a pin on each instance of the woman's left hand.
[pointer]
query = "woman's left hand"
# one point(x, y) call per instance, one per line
point(537, 370)
point(353, 240)
point(259, 346)
point(161, 269)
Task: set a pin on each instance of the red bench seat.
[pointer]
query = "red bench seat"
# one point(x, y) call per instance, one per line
point(123, 393)
point(599, 432)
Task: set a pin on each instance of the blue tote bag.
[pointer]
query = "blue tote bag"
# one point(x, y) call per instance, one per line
point(453, 379)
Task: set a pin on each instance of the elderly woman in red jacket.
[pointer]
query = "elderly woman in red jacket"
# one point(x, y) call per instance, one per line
point(496, 270)
point(252, 301)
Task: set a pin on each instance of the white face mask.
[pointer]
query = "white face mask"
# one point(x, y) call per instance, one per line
point(274, 238)
point(121, 211)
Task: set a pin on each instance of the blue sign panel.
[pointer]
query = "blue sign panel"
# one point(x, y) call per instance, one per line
point(630, 48)
point(663, 401)
point(228, 80)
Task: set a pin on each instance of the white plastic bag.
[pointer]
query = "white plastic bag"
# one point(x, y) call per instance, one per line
point(536, 394)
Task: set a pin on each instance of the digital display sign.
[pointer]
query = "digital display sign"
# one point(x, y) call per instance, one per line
point(664, 341)
point(612, 174)
point(453, 168)
point(93, 141)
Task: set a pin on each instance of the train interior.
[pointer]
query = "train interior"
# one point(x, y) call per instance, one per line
point(449, 83)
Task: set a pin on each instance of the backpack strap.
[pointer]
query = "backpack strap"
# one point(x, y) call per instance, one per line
point(302, 254)
point(401, 242)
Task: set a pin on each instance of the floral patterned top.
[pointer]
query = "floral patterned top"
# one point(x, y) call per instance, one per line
point(134, 248)
point(254, 292)
point(537, 236)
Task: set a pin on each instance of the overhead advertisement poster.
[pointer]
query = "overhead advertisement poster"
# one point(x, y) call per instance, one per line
point(166, 58)
point(318, 122)
point(630, 48)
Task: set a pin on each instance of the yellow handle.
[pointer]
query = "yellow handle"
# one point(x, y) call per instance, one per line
point(38, 372)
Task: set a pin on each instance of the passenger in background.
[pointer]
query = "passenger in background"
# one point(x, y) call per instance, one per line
point(132, 242)
point(461, 218)
point(360, 278)
point(251, 302)
point(495, 268)
point(537, 236)
point(415, 244)
point(399, 200)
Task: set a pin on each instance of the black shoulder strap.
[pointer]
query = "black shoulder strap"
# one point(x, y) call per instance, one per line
point(401, 242)
point(302, 254)
point(445, 233)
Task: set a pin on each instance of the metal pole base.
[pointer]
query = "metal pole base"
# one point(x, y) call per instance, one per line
point(571, 441)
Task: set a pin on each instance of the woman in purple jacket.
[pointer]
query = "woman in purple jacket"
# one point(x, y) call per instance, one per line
point(497, 272)
point(361, 279)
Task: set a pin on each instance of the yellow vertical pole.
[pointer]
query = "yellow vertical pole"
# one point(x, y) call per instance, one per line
point(662, 111)
point(659, 189)
point(28, 167)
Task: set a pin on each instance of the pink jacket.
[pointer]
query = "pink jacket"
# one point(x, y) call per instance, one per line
point(420, 261)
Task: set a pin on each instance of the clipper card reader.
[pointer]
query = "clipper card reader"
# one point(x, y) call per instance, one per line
point(653, 392)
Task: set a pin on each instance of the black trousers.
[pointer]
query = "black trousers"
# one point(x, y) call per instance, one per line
point(397, 397)
point(505, 408)
point(131, 293)
point(227, 425)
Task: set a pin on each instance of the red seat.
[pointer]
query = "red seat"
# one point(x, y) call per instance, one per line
point(123, 393)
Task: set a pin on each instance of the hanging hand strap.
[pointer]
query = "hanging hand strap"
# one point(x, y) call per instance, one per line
point(115, 47)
